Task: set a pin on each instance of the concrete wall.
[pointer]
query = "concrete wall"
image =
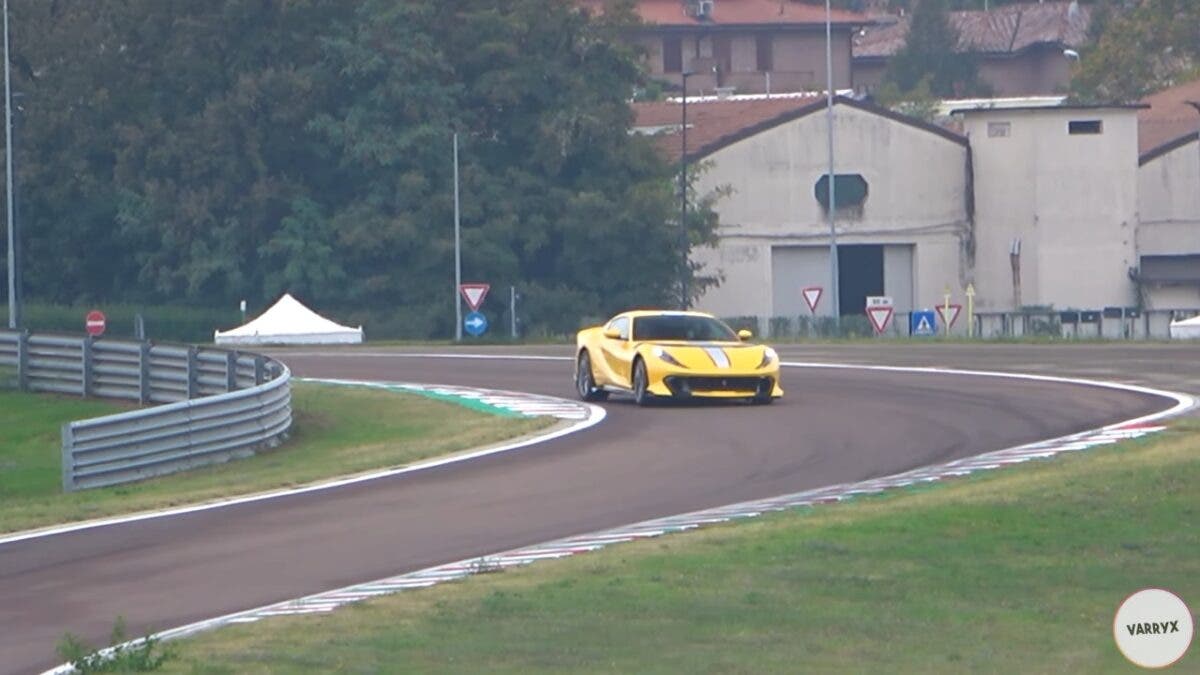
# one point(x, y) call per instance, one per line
point(1169, 203)
point(1070, 199)
point(917, 187)
point(1169, 206)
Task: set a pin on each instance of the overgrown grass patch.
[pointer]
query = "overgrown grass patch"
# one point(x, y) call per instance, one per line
point(336, 431)
point(1017, 570)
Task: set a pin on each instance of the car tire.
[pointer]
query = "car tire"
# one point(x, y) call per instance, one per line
point(641, 383)
point(763, 400)
point(585, 382)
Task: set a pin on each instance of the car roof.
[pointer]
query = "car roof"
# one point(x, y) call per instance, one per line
point(635, 313)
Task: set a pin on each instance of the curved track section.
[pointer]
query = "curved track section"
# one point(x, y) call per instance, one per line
point(835, 426)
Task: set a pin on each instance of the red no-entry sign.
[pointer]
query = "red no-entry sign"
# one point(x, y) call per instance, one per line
point(94, 323)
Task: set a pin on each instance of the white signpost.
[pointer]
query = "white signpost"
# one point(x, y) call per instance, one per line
point(879, 311)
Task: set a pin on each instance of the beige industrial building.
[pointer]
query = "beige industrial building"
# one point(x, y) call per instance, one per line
point(1050, 215)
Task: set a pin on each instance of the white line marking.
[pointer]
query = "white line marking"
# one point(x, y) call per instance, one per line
point(656, 527)
point(596, 414)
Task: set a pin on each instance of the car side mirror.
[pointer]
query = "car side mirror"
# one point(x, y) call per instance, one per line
point(612, 333)
point(744, 334)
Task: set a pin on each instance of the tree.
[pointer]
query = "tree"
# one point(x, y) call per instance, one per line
point(208, 152)
point(931, 52)
point(1149, 47)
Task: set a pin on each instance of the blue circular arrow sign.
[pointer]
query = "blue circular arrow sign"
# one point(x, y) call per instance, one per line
point(475, 323)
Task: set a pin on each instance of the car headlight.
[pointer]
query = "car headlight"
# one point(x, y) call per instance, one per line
point(769, 357)
point(663, 354)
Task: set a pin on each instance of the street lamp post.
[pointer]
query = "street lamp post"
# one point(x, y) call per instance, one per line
point(458, 320)
point(683, 186)
point(834, 295)
point(13, 303)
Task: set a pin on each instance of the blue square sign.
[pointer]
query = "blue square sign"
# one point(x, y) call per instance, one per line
point(922, 322)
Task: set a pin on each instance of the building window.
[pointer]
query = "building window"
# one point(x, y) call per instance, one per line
point(850, 190)
point(763, 53)
point(999, 129)
point(672, 55)
point(1084, 127)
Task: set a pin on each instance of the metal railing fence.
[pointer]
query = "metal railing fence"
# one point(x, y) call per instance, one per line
point(209, 405)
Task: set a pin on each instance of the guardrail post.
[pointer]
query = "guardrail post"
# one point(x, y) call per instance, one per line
point(23, 360)
point(68, 458)
point(192, 374)
point(231, 371)
point(86, 384)
point(260, 370)
point(144, 372)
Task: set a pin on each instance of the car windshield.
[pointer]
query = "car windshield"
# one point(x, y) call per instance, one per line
point(681, 327)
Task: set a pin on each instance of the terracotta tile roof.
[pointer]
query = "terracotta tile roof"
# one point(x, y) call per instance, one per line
point(1004, 30)
point(738, 12)
point(714, 123)
point(1169, 117)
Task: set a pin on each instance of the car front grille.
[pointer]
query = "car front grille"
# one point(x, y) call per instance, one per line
point(684, 385)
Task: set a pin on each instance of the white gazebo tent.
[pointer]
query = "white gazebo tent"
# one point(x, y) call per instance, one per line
point(289, 322)
point(1186, 329)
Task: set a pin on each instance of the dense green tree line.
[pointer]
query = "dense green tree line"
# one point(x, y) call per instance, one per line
point(205, 152)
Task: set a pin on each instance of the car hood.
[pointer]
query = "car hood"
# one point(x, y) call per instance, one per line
point(703, 356)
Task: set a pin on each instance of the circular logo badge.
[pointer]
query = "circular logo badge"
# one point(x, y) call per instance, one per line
point(1153, 628)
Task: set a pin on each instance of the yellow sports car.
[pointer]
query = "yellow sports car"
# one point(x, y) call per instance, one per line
point(673, 354)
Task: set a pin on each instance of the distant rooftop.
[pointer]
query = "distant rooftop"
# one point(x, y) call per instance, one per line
point(1004, 30)
point(1169, 117)
point(715, 122)
point(737, 13)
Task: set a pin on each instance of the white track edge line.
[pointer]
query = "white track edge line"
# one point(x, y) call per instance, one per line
point(1184, 402)
point(596, 414)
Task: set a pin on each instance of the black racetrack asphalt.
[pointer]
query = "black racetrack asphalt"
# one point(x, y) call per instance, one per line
point(834, 425)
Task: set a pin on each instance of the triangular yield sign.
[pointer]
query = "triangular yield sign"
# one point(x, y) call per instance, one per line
point(948, 320)
point(880, 316)
point(812, 295)
point(474, 294)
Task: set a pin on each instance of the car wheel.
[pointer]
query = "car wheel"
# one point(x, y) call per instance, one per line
point(641, 383)
point(762, 400)
point(585, 384)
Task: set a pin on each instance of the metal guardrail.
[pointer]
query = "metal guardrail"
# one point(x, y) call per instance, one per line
point(218, 404)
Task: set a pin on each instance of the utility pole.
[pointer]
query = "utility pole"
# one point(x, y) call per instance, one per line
point(14, 305)
point(458, 320)
point(835, 297)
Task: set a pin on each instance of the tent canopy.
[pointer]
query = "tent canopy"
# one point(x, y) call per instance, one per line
point(289, 322)
point(1186, 329)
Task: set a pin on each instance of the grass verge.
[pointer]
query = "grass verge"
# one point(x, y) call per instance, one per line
point(336, 431)
point(1016, 570)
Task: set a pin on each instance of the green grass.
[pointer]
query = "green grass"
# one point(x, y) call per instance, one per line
point(336, 431)
point(1017, 570)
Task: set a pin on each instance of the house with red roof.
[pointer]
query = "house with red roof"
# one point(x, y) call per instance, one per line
point(743, 46)
point(1023, 49)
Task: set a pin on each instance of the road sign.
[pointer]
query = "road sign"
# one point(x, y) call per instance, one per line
point(948, 320)
point(94, 323)
point(812, 296)
point(879, 311)
point(922, 322)
point(474, 294)
point(475, 323)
